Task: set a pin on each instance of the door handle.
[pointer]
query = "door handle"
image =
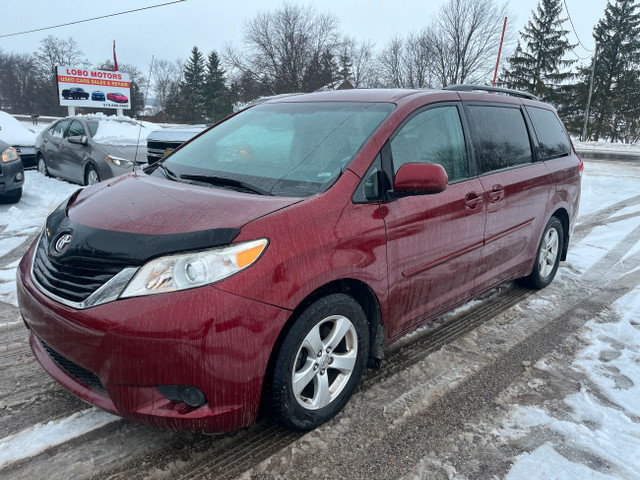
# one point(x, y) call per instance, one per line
point(472, 200)
point(496, 193)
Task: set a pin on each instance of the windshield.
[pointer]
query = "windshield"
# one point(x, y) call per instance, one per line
point(286, 149)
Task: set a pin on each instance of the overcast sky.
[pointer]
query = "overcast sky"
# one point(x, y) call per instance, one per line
point(171, 31)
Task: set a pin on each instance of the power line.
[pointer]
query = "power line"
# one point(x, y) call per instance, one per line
point(574, 28)
point(89, 19)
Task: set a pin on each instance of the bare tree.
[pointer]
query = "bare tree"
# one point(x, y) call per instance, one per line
point(466, 40)
point(17, 82)
point(284, 48)
point(164, 74)
point(408, 63)
point(58, 51)
point(363, 63)
point(391, 63)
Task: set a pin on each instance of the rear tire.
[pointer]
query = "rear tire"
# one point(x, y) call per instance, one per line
point(319, 363)
point(548, 256)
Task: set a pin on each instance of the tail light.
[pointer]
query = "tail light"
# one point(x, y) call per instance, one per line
point(580, 167)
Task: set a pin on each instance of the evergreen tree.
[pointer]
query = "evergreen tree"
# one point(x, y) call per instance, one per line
point(540, 67)
point(345, 65)
point(616, 90)
point(192, 89)
point(216, 94)
point(518, 74)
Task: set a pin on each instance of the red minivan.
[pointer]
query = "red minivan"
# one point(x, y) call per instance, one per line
point(272, 258)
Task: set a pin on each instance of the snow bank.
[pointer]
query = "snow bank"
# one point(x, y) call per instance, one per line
point(40, 437)
point(15, 133)
point(20, 222)
point(607, 146)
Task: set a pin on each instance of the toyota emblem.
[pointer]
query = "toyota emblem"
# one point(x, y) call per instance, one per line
point(62, 243)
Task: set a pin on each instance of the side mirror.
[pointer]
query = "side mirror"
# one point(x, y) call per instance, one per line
point(80, 140)
point(420, 178)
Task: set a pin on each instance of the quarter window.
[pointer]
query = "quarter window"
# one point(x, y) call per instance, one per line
point(500, 137)
point(433, 136)
point(552, 139)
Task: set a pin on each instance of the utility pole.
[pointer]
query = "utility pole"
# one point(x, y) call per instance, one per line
point(583, 137)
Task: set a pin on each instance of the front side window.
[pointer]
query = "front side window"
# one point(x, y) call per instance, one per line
point(433, 136)
point(288, 149)
point(500, 137)
point(76, 129)
point(552, 139)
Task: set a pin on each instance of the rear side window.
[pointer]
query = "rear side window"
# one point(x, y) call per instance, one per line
point(433, 136)
point(58, 128)
point(552, 139)
point(500, 137)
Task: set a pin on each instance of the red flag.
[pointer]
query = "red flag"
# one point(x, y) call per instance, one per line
point(115, 62)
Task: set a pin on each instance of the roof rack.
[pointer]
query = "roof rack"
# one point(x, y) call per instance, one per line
point(486, 88)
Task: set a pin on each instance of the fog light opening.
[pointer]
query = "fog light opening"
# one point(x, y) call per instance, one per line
point(192, 396)
point(187, 394)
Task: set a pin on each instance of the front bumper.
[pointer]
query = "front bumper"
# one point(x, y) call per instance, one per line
point(11, 176)
point(213, 340)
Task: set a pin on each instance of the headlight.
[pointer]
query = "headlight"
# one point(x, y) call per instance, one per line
point(9, 155)
point(121, 162)
point(190, 270)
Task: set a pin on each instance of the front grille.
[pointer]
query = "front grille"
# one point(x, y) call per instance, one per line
point(83, 375)
point(74, 279)
point(162, 146)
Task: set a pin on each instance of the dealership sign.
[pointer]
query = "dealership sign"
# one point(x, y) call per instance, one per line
point(81, 87)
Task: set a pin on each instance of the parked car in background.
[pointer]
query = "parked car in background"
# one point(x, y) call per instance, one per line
point(20, 137)
point(11, 174)
point(91, 148)
point(97, 96)
point(75, 93)
point(270, 260)
point(117, 97)
point(162, 142)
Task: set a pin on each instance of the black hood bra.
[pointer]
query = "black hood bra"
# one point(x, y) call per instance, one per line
point(127, 249)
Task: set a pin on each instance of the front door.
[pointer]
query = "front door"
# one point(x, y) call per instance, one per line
point(433, 241)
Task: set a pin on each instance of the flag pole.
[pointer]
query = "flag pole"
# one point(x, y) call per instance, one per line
point(495, 75)
point(119, 111)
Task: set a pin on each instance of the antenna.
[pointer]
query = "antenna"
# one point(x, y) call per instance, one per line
point(146, 93)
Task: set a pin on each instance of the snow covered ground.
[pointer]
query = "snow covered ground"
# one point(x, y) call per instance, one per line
point(590, 433)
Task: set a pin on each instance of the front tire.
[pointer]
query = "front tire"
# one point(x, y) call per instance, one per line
point(91, 177)
point(42, 166)
point(13, 196)
point(548, 256)
point(319, 363)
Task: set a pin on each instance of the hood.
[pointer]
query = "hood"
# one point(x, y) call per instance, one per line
point(128, 152)
point(148, 205)
point(175, 134)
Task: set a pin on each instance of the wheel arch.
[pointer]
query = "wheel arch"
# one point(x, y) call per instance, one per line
point(361, 293)
point(562, 215)
point(89, 163)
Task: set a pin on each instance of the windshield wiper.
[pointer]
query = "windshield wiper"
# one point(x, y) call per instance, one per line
point(226, 182)
point(167, 173)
